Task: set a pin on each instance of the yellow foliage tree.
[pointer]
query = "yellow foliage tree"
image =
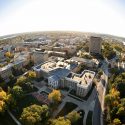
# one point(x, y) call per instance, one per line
point(2, 106)
point(9, 54)
point(55, 96)
point(3, 97)
point(60, 121)
point(31, 74)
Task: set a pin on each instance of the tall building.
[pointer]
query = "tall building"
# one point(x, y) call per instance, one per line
point(95, 45)
point(39, 56)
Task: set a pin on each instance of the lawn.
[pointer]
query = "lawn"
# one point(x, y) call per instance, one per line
point(89, 118)
point(67, 108)
point(28, 89)
point(6, 120)
point(24, 102)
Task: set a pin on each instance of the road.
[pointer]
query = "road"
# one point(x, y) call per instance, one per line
point(101, 89)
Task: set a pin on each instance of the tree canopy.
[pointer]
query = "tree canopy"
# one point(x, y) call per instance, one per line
point(73, 116)
point(55, 96)
point(34, 114)
point(60, 121)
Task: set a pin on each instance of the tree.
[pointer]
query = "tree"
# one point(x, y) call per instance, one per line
point(108, 51)
point(121, 111)
point(34, 114)
point(55, 96)
point(116, 121)
point(73, 116)
point(17, 92)
point(3, 96)
point(6, 100)
point(118, 48)
point(60, 121)
point(2, 106)
point(31, 75)
point(112, 99)
point(9, 54)
point(120, 84)
point(21, 81)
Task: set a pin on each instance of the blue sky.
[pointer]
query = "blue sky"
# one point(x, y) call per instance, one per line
point(101, 16)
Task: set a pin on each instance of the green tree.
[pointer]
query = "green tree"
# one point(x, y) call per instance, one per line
point(121, 111)
point(17, 92)
point(73, 116)
point(21, 81)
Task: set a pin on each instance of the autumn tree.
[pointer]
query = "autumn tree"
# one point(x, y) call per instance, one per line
point(9, 54)
point(112, 99)
point(2, 100)
point(55, 96)
point(31, 75)
point(60, 121)
point(116, 121)
point(34, 114)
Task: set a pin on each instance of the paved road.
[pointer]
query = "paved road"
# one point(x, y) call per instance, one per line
point(101, 88)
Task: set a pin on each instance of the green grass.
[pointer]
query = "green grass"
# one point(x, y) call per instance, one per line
point(80, 121)
point(24, 102)
point(67, 108)
point(6, 120)
point(89, 118)
point(26, 90)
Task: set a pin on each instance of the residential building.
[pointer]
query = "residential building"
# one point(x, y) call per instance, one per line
point(95, 44)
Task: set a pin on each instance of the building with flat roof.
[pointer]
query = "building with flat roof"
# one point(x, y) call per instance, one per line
point(39, 56)
point(5, 71)
point(88, 62)
point(95, 44)
point(81, 83)
point(59, 75)
point(48, 68)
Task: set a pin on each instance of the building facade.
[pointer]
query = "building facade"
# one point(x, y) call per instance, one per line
point(95, 44)
point(39, 57)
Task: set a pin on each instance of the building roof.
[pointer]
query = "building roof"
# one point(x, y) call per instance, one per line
point(58, 74)
point(84, 79)
point(78, 59)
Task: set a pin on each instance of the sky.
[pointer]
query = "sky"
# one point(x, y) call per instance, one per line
point(100, 16)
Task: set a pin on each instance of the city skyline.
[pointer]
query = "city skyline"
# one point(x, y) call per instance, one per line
point(100, 16)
